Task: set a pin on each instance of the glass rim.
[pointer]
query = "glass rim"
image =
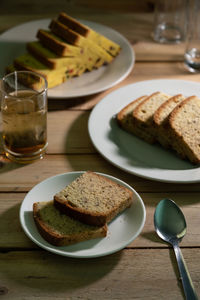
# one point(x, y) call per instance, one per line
point(44, 89)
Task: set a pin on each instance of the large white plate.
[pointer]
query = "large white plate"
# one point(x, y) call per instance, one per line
point(131, 153)
point(13, 43)
point(122, 230)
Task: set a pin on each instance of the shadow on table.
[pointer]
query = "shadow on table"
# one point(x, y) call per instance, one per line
point(44, 272)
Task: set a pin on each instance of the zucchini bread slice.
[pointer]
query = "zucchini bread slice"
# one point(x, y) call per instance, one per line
point(93, 199)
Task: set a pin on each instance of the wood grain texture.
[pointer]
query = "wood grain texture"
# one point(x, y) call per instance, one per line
point(124, 275)
point(21, 178)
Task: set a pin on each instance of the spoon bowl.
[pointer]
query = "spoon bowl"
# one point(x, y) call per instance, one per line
point(169, 221)
point(170, 226)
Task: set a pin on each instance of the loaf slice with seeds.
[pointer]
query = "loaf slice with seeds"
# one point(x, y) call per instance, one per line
point(184, 125)
point(61, 230)
point(144, 112)
point(93, 199)
point(161, 119)
point(126, 121)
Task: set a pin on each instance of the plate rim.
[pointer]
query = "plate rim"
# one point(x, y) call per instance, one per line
point(91, 24)
point(56, 250)
point(108, 97)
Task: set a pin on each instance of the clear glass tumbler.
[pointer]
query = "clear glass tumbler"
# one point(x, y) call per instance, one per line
point(192, 51)
point(24, 116)
point(170, 21)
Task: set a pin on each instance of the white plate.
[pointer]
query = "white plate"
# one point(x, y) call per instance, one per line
point(13, 43)
point(131, 153)
point(122, 230)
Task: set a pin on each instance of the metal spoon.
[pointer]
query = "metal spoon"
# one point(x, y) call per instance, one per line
point(170, 226)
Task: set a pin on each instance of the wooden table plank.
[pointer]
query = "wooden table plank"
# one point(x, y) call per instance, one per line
point(16, 178)
point(128, 274)
point(68, 132)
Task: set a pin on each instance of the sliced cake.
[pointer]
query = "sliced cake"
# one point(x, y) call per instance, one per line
point(184, 125)
point(76, 39)
point(161, 119)
point(29, 63)
point(110, 46)
point(27, 80)
point(61, 48)
point(75, 66)
point(56, 44)
point(126, 121)
point(144, 112)
point(93, 199)
point(59, 229)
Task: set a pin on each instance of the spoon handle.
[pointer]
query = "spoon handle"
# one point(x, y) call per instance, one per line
point(190, 293)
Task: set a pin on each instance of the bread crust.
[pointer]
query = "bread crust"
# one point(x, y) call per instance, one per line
point(57, 239)
point(160, 120)
point(73, 24)
point(180, 141)
point(88, 217)
point(143, 115)
point(59, 47)
point(64, 32)
point(157, 115)
point(111, 47)
point(127, 122)
point(128, 110)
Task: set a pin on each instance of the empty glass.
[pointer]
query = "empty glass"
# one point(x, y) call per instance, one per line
point(170, 21)
point(192, 52)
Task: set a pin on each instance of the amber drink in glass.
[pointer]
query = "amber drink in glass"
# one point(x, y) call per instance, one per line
point(24, 116)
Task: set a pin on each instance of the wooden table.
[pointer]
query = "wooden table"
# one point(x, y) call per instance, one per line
point(145, 269)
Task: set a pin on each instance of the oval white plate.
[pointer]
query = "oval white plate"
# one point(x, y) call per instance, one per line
point(131, 153)
point(13, 43)
point(122, 230)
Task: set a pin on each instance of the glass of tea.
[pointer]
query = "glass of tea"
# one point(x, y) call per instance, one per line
point(24, 116)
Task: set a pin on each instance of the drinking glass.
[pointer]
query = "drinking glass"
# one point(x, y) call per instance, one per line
point(24, 116)
point(192, 52)
point(170, 21)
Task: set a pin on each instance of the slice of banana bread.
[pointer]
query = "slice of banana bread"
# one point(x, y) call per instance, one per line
point(61, 230)
point(126, 121)
point(144, 112)
point(184, 126)
point(93, 199)
point(160, 119)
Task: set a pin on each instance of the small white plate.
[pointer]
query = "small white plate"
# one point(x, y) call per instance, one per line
point(13, 43)
point(122, 230)
point(131, 153)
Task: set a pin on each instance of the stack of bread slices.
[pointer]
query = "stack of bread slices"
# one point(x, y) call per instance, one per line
point(173, 121)
point(81, 210)
point(69, 48)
